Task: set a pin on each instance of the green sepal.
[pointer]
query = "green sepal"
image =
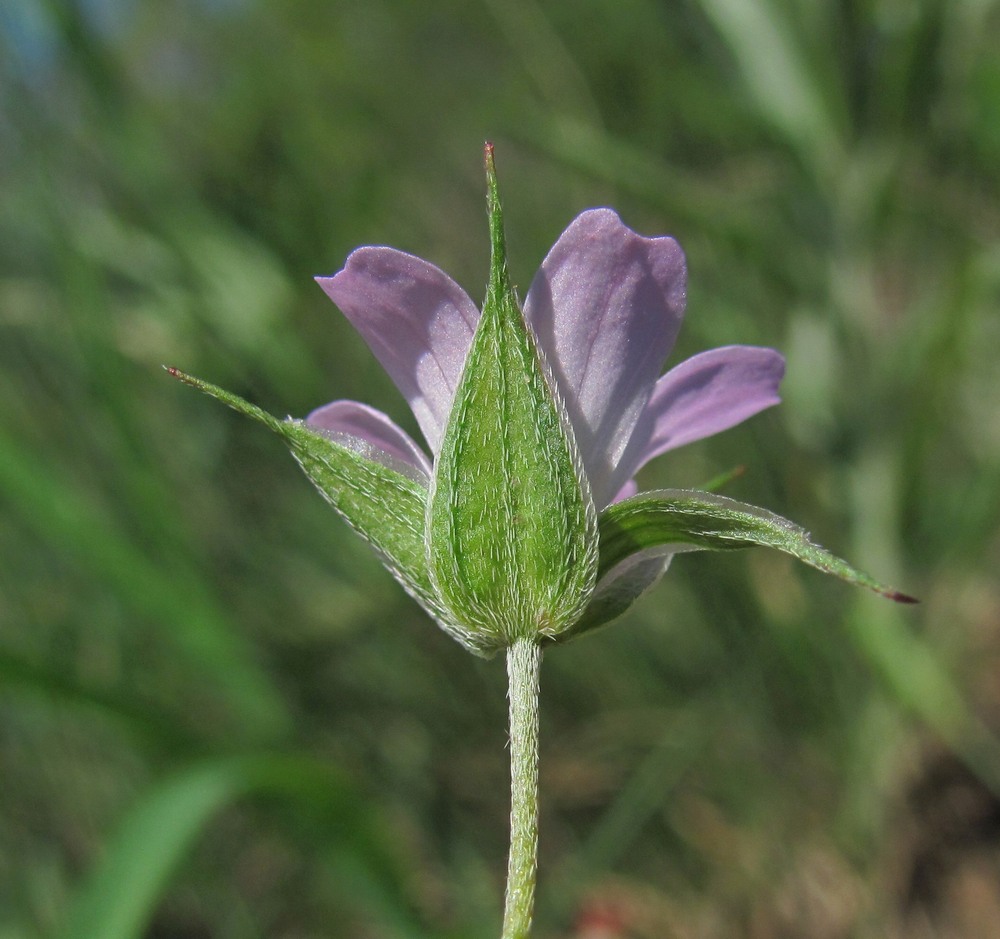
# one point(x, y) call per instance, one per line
point(639, 533)
point(386, 507)
point(511, 523)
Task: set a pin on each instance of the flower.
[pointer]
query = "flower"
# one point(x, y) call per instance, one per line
point(523, 521)
point(522, 525)
point(604, 308)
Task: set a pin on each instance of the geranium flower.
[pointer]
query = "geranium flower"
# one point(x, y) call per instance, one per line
point(521, 525)
point(521, 516)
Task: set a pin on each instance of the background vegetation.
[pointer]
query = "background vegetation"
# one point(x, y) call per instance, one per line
point(221, 718)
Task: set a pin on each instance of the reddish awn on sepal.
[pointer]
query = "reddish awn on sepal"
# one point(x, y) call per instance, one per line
point(519, 524)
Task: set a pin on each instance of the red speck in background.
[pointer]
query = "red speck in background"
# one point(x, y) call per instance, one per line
point(600, 919)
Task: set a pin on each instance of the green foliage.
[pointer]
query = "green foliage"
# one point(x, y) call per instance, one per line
point(120, 895)
point(172, 596)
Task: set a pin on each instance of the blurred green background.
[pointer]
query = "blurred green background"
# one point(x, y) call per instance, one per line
point(219, 717)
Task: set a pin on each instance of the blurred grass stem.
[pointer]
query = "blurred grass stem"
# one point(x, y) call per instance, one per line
point(523, 660)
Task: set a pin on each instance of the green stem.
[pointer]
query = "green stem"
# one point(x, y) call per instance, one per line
point(523, 660)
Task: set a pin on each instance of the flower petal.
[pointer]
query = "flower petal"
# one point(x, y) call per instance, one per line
point(706, 394)
point(620, 588)
point(373, 434)
point(417, 321)
point(606, 306)
point(630, 488)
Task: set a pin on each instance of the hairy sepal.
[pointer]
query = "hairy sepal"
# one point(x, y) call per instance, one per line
point(386, 507)
point(512, 527)
point(640, 533)
point(512, 530)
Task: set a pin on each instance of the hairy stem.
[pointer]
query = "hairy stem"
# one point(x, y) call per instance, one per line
point(523, 660)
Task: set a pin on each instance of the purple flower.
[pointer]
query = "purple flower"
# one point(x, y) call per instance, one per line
point(518, 523)
point(517, 530)
point(605, 309)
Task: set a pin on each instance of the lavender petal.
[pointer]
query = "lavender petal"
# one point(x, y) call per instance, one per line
point(706, 394)
point(606, 306)
point(372, 433)
point(417, 321)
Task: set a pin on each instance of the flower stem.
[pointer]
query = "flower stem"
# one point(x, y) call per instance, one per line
point(523, 660)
